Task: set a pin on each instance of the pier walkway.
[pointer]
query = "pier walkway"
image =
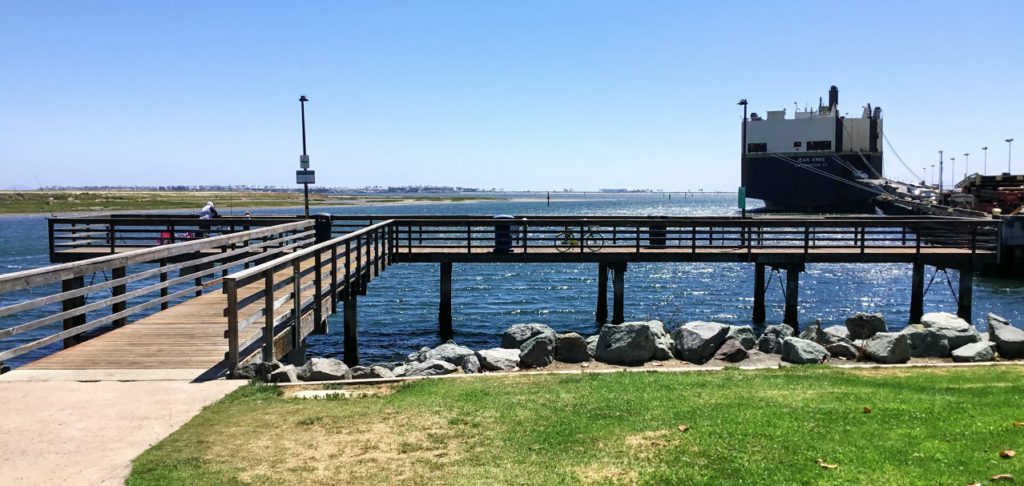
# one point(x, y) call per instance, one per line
point(191, 300)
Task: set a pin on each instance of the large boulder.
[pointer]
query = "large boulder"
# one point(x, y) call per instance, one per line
point(471, 364)
point(592, 344)
point(926, 342)
point(370, 372)
point(732, 351)
point(974, 353)
point(945, 320)
point(629, 343)
point(515, 336)
point(771, 339)
point(450, 352)
point(1009, 340)
point(498, 359)
point(417, 356)
point(430, 367)
point(698, 341)
point(284, 374)
point(843, 349)
point(664, 346)
point(744, 335)
point(887, 348)
point(570, 347)
point(835, 334)
point(538, 351)
point(323, 369)
point(863, 325)
point(803, 351)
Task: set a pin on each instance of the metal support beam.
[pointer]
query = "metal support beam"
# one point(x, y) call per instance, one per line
point(792, 296)
point(917, 293)
point(351, 316)
point(68, 285)
point(118, 290)
point(963, 308)
point(618, 292)
point(601, 316)
point(444, 311)
point(759, 314)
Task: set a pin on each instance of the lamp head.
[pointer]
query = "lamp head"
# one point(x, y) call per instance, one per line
point(303, 99)
point(742, 102)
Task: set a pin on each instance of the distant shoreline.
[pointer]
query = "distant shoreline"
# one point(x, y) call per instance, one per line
point(83, 202)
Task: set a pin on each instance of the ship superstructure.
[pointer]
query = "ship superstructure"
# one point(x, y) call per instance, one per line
point(812, 162)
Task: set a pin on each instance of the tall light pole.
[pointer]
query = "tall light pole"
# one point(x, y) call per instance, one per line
point(304, 176)
point(743, 162)
point(952, 172)
point(967, 164)
point(940, 171)
point(984, 170)
point(1009, 156)
point(924, 170)
point(933, 174)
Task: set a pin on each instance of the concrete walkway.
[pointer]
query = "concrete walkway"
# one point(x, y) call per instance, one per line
point(72, 432)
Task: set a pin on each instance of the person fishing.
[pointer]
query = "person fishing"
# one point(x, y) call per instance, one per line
point(208, 212)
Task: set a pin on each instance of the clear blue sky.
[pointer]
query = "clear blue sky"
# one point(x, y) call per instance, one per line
point(517, 94)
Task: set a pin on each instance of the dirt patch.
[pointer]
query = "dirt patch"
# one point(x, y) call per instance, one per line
point(356, 390)
point(605, 474)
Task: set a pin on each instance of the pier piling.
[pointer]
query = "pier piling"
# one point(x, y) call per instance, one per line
point(618, 291)
point(792, 295)
point(963, 308)
point(601, 316)
point(351, 316)
point(759, 315)
point(917, 294)
point(444, 312)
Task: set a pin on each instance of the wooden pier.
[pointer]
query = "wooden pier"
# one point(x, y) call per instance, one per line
point(201, 298)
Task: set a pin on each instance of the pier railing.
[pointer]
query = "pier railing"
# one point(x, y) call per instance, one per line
point(271, 308)
point(133, 284)
point(121, 233)
point(611, 234)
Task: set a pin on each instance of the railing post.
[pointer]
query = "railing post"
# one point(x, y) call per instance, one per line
point(163, 290)
point(469, 239)
point(268, 315)
point(348, 268)
point(807, 241)
point(319, 323)
point(296, 310)
point(637, 245)
point(230, 289)
point(51, 238)
point(67, 285)
point(111, 237)
point(117, 291)
point(334, 280)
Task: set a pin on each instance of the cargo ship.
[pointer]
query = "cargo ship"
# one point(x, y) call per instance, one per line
point(816, 161)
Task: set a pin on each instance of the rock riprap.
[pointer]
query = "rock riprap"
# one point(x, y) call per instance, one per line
point(430, 367)
point(629, 343)
point(974, 353)
point(1009, 340)
point(516, 335)
point(698, 341)
point(771, 339)
point(498, 359)
point(538, 351)
point(744, 335)
point(732, 351)
point(803, 351)
point(324, 369)
point(370, 372)
point(926, 342)
point(945, 320)
point(863, 325)
point(570, 347)
point(887, 348)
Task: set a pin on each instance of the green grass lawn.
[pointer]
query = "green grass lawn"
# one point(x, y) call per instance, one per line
point(926, 426)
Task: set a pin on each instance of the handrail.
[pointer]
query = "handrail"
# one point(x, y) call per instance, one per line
point(54, 273)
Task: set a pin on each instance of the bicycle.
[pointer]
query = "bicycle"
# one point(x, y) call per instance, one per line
point(566, 240)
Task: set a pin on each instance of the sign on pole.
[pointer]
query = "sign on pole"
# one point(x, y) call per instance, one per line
point(305, 176)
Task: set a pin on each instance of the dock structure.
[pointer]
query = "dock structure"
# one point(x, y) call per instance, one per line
point(202, 298)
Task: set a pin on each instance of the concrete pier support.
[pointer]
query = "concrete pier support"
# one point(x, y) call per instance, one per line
point(444, 311)
point(963, 308)
point(916, 294)
point(792, 296)
point(351, 315)
point(618, 292)
point(759, 314)
point(68, 285)
point(116, 291)
point(601, 316)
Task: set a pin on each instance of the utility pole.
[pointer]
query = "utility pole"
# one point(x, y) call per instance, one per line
point(984, 170)
point(967, 163)
point(1009, 156)
point(304, 176)
point(940, 171)
point(952, 172)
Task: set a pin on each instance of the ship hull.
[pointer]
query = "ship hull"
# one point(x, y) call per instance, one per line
point(786, 186)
